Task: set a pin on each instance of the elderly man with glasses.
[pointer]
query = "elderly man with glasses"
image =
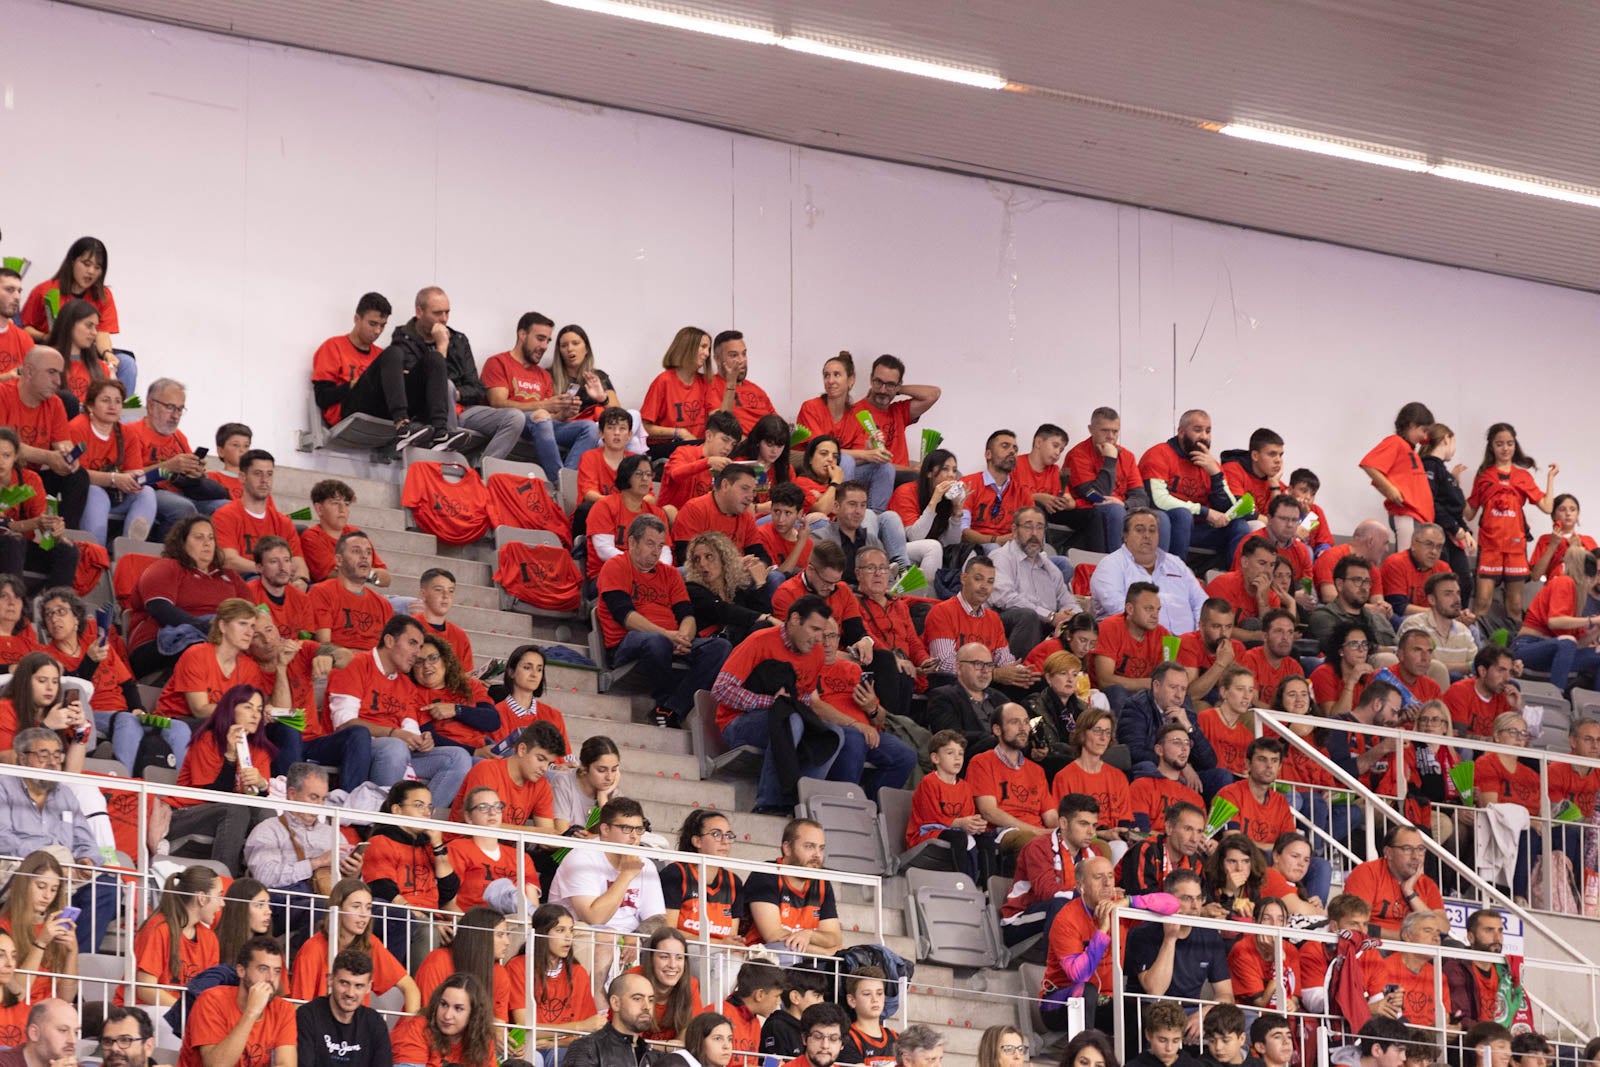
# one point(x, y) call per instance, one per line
point(1394, 883)
point(169, 464)
point(38, 814)
point(1030, 589)
point(967, 706)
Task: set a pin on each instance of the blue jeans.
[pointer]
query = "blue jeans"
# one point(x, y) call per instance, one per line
point(444, 769)
point(751, 728)
point(891, 762)
point(349, 750)
point(1111, 516)
point(1559, 657)
point(879, 480)
point(98, 510)
point(172, 507)
point(127, 371)
point(126, 732)
point(1190, 532)
point(655, 650)
point(97, 899)
point(551, 438)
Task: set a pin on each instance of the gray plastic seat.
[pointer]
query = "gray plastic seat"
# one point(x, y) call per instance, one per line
point(933, 854)
point(710, 750)
point(951, 920)
point(850, 820)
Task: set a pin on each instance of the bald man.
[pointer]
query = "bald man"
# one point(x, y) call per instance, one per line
point(1369, 541)
point(1185, 482)
point(52, 1037)
point(428, 341)
point(32, 406)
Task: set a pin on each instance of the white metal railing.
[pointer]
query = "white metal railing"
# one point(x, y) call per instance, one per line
point(1280, 723)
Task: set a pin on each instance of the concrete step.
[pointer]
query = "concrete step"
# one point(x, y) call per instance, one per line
point(862, 918)
point(971, 1009)
point(640, 742)
point(612, 707)
point(385, 526)
point(667, 799)
point(297, 482)
point(490, 620)
point(471, 573)
point(467, 596)
point(501, 646)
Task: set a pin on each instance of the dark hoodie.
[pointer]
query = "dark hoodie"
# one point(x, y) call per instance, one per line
point(387, 865)
point(458, 361)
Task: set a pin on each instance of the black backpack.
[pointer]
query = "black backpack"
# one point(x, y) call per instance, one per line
point(153, 752)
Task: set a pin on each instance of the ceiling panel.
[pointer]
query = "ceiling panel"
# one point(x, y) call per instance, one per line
point(1512, 86)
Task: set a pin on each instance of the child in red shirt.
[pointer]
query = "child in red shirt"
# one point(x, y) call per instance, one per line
point(1397, 473)
point(944, 805)
point(1500, 491)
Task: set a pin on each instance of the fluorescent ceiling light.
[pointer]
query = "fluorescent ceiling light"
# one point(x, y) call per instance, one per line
point(675, 20)
point(737, 31)
point(1515, 183)
point(1377, 155)
point(901, 64)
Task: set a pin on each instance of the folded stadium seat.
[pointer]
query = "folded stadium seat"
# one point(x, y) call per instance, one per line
point(951, 920)
point(609, 675)
point(850, 820)
point(1029, 949)
point(1556, 714)
point(353, 433)
point(1585, 704)
point(567, 480)
point(710, 750)
point(933, 854)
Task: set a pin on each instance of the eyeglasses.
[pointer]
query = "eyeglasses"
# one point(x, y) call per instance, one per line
point(1014, 1050)
point(1100, 731)
point(430, 660)
point(1427, 544)
point(176, 409)
point(1357, 646)
point(831, 637)
point(718, 835)
point(57, 613)
point(981, 664)
point(121, 1044)
point(1514, 732)
point(824, 1038)
point(632, 829)
point(873, 568)
point(46, 755)
point(485, 809)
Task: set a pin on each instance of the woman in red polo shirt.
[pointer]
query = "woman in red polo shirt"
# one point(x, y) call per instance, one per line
point(1501, 778)
point(183, 588)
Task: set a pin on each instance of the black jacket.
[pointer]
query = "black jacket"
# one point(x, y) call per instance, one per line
point(458, 361)
point(949, 708)
point(1141, 720)
point(607, 1048)
point(1448, 499)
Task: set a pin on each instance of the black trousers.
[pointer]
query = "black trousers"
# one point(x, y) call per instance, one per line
point(73, 489)
point(388, 390)
point(58, 565)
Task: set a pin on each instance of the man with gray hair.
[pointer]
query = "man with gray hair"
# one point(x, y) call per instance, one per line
point(428, 337)
point(1030, 590)
point(1140, 559)
point(169, 464)
point(1405, 574)
point(36, 813)
point(919, 1046)
point(288, 852)
point(645, 615)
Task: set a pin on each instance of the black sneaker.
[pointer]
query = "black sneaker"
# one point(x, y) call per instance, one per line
point(664, 718)
point(409, 433)
point(448, 440)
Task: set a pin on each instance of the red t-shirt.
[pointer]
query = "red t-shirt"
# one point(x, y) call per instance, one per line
point(935, 805)
point(230, 482)
point(1322, 570)
point(36, 312)
point(309, 977)
point(1558, 564)
point(611, 515)
point(1084, 462)
point(1520, 785)
point(14, 344)
point(903, 501)
point(1372, 882)
point(410, 1043)
point(892, 425)
point(198, 671)
point(1129, 658)
point(1296, 552)
point(1470, 711)
point(523, 384)
point(530, 800)
point(1185, 481)
point(1108, 785)
point(836, 685)
point(385, 701)
point(1326, 685)
point(339, 361)
point(1557, 599)
point(1020, 792)
point(565, 997)
point(239, 530)
point(1229, 585)
point(1571, 783)
point(778, 549)
point(1261, 823)
point(992, 508)
point(39, 427)
point(152, 953)
point(355, 620)
point(149, 447)
point(1192, 652)
point(1071, 933)
point(476, 870)
point(1420, 1006)
point(1249, 970)
point(214, 1015)
point(1396, 459)
point(1229, 742)
point(687, 475)
point(318, 549)
point(454, 729)
point(108, 676)
point(1502, 495)
point(702, 514)
point(1047, 481)
point(841, 601)
point(99, 453)
point(654, 593)
point(440, 964)
point(761, 646)
point(196, 592)
point(669, 402)
point(1241, 478)
point(949, 620)
point(751, 403)
point(814, 416)
point(204, 761)
point(1153, 796)
point(595, 474)
point(293, 616)
point(1268, 679)
point(1400, 575)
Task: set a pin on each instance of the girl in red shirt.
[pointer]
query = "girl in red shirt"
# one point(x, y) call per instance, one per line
point(1396, 472)
point(1501, 489)
point(82, 274)
point(17, 637)
point(73, 335)
point(114, 489)
point(1550, 550)
point(246, 913)
point(229, 753)
point(482, 939)
point(675, 406)
point(353, 900)
point(1253, 963)
point(457, 1027)
point(45, 942)
point(176, 943)
point(561, 986)
point(819, 475)
point(35, 697)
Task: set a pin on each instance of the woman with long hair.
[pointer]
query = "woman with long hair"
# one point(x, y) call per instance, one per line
point(456, 1027)
point(1346, 665)
point(1090, 1048)
point(1002, 1045)
point(866, 459)
point(728, 601)
point(675, 406)
point(34, 696)
point(1230, 724)
point(14, 1002)
point(767, 447)
point(46, 941)
point(480, 860)
point(1253, 963)
point(246, 913)
point(176, 943)
point(664, 960)
point(930, 508)
point(522, 705)
point(64, 622)
point(1233, 877)
point(230, 754)
point(457, 705)
point(17, 635)
point(1502, 488)
point(351, 898)
point(1090, 773)
point(1549, 552)
point(708, 832)
point(219, 663)
point(1396, 472)
point(579, 794)
point(82, 275)
point(73, 335)
point(177, 594)
point(409, 871)
point(820, 474)
point(1551, 637)
point(573, 371)
point(115, 489)
point(481, 942)
point(19, 551)
point(561, 986)
point(707, 1042)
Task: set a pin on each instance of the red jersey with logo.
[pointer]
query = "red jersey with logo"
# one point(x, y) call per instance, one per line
point(1296, 552)
point(761, 646)
point(151, 448)
point(1020, 792)
point(1108, 786)
point(1084, 462)
point(750, 402)
point(198, 671)
point(702, 514)
point(992, 507)
point(1193, 653)
point(596, 474)
point(836, 685)
point(563, 997)
point(1502, 495)
point(100, 453)
point(1520, 785)
point(356, 620)
point(669, 402)
point(1558, 562)
point(339, 361)
point(1229, 585)
point(38, 427)
point(814, 416)
point(721, 902)
point(239, 530)
point(1261, 822)
point(384, 701)
point(654, 593)
point(1229, 742)
point(108, 676)
point(611, 515)
point(529, 800)
point(1396, 459)
point(1322, 570)
point(892, 425)
point(949, 620)
point(454, 511)
point(935, 805)
point(204, 762)
point(1269, 679)
point(215, 1014)
point(14, 344)
point(476, 869)
point(687, 475)
point(1577, 784)
point(1242, 478)
point(841, 601)
point(1185, 481)
point(1130, 657)
point(1400, 575)
point(523, 384)
point(1152, 797)
point(778, 549)
point(293, 615)
point(526, 504)
point(320, 552)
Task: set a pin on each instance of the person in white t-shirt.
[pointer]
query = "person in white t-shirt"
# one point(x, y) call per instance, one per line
point(620, 892)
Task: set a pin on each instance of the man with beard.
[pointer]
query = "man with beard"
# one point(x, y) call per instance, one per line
point(794, 915)
point(52, 1038)
point(14, 340)
point(127, 1038)
point(993, 495)
point(1152, 798)
point(1146, 712)
point(1185, 483)
point(346, 612)
point(1446, 623)
point(822, 1028)
point(1029, 591)
point(1205, 653)
point(621, 1042)
point(1352, 583)
point(244, 1025)
point(1474, 987)
point(1248, 590)
point(1273, 660)
point(1009, 788)
point(339, 1030)
point(514, 380)
point(1183, 847)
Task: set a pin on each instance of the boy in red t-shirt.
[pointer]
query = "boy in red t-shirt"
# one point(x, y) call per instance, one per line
point(944, 805)
point(1260, 472)
point(1314, 530)
point(331, 500)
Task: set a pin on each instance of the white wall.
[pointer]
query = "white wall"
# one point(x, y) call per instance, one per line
point(249, 193)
